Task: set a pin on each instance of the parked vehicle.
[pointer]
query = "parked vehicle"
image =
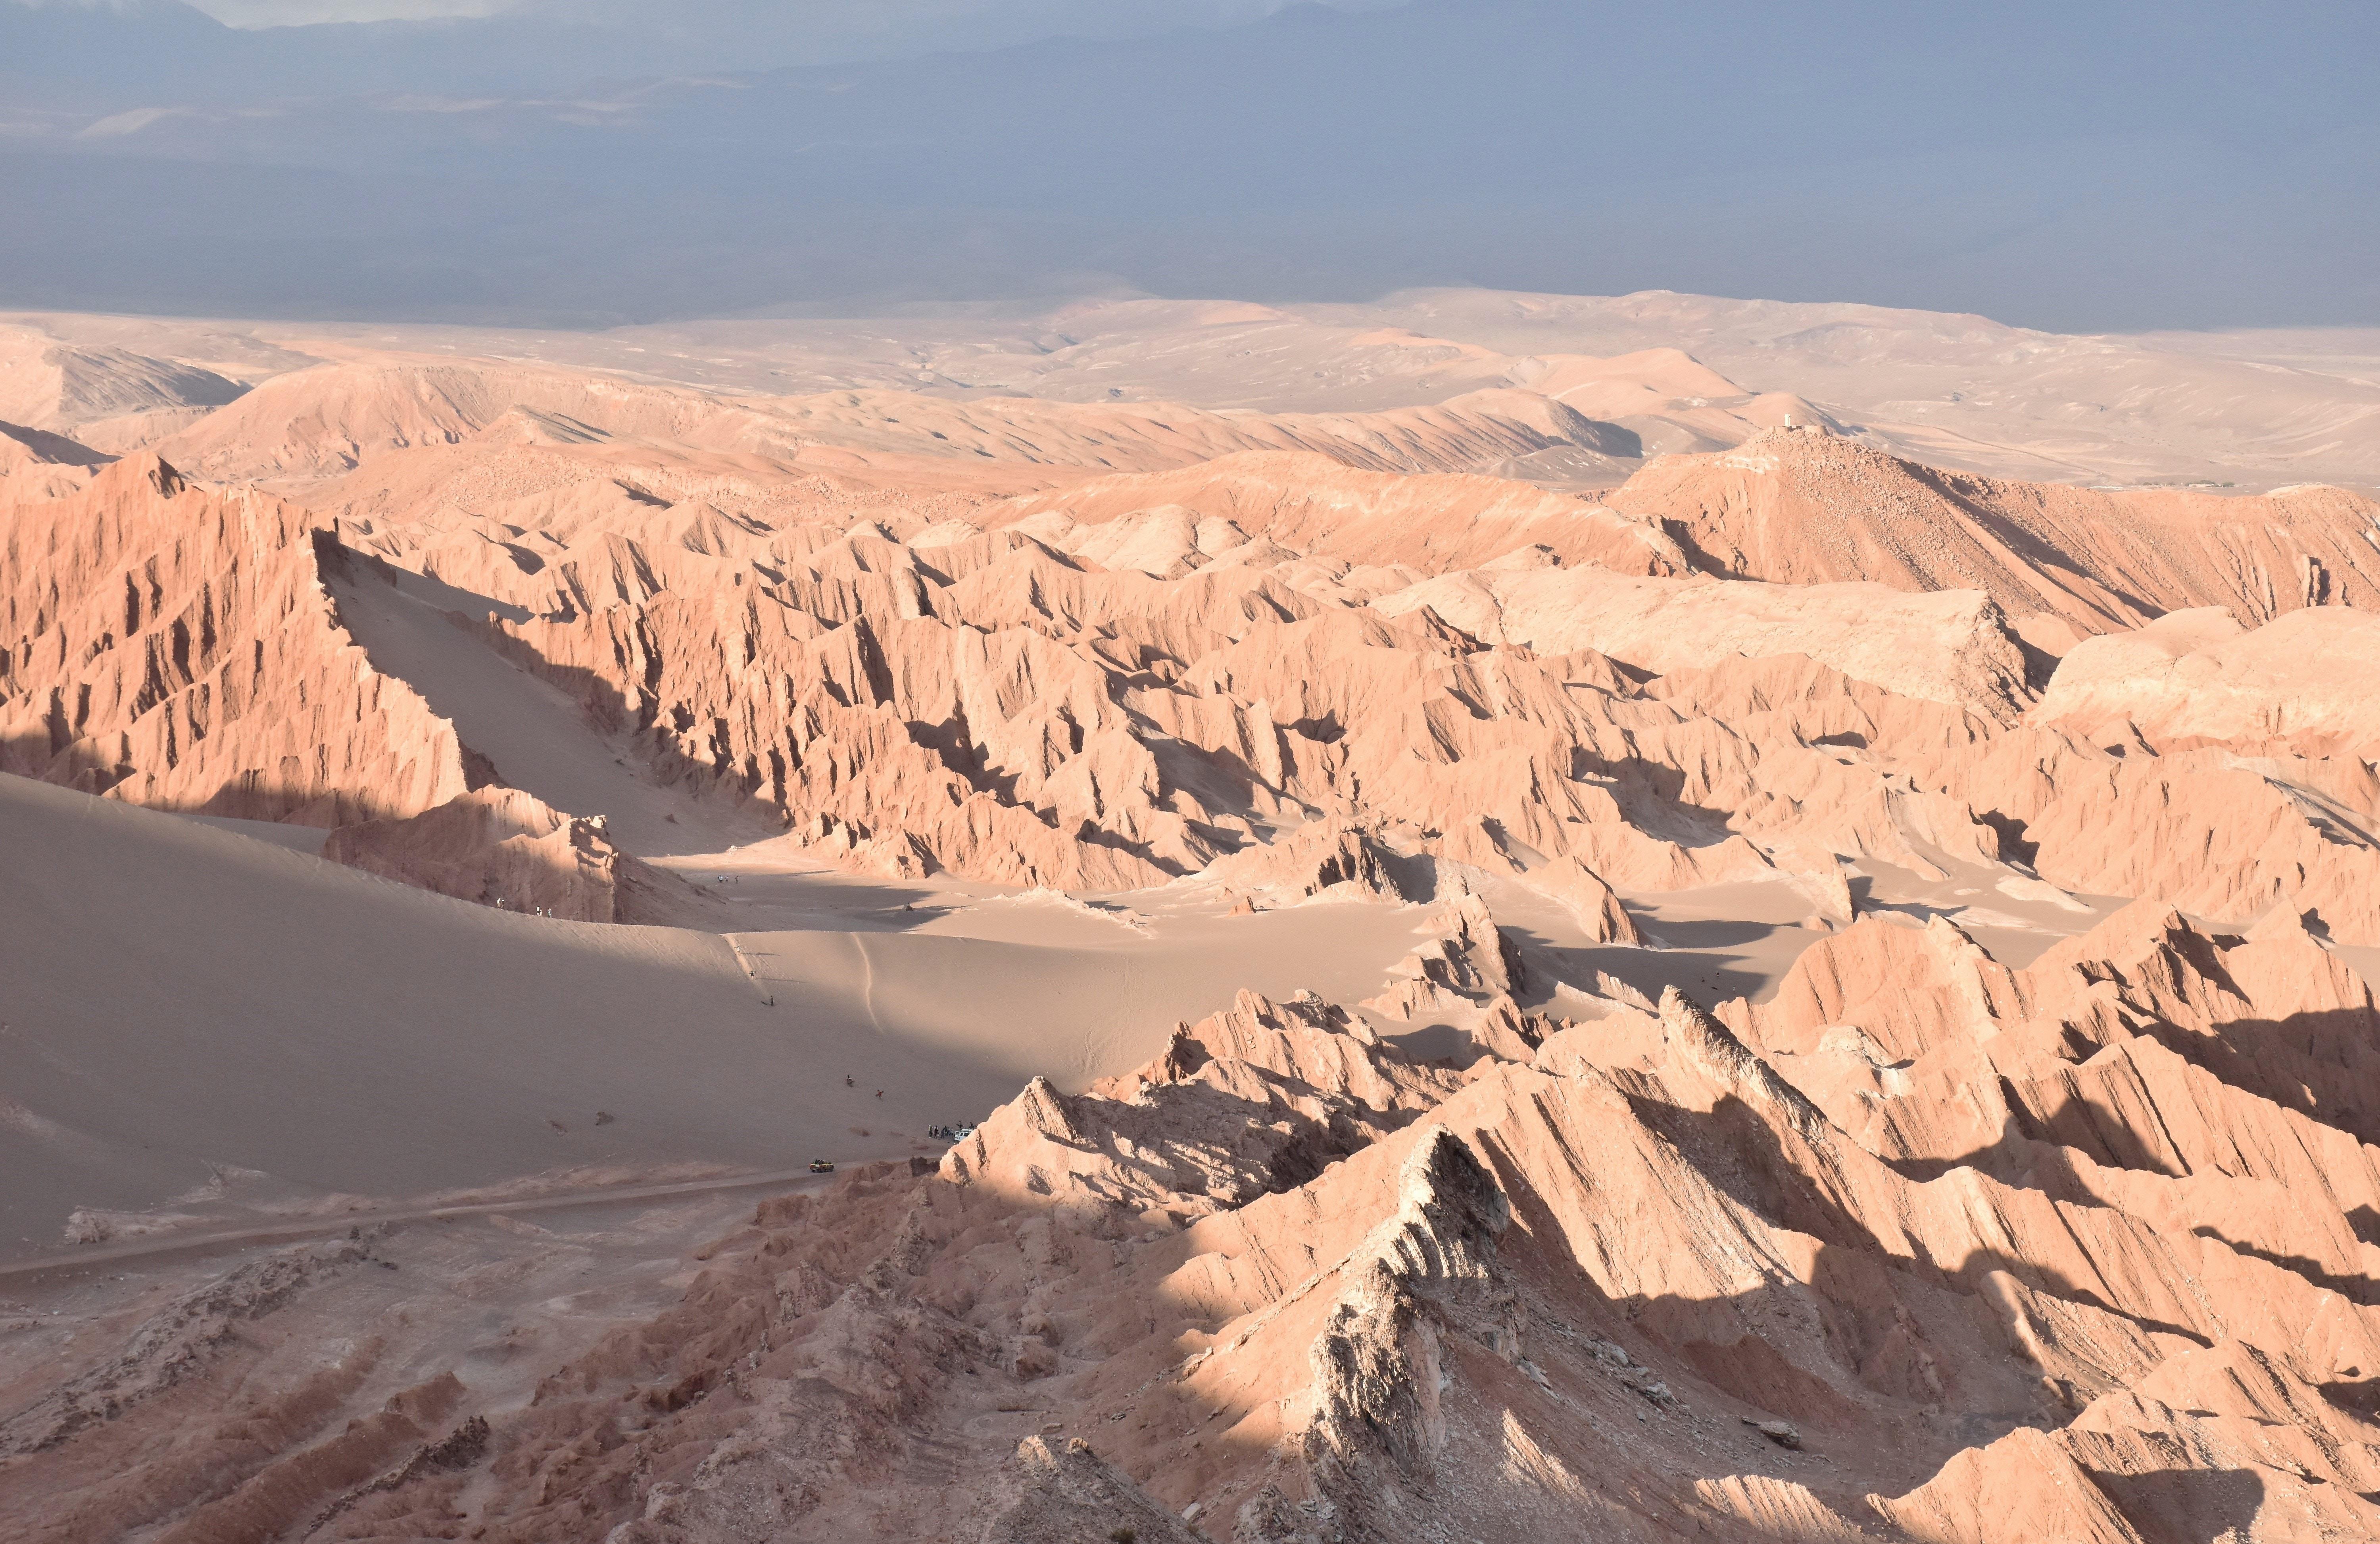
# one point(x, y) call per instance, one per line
point(821, 1166)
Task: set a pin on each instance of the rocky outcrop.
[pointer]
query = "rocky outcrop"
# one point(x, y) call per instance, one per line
point(1589, 899)
point(1331, 858)
point(495, 847)
point(172, 1345)
point(174, 647)
point(1921, 1244)
point(1260, 1097)
point(1063, 1491)
point(1427, 1274)
point(2296, 688)
point(1674, 1273)
point(179, 648)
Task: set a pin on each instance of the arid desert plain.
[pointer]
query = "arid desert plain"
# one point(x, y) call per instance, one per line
point(1478, 917)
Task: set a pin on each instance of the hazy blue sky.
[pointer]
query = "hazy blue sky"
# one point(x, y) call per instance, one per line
point(918, 17)
point(2108, 165)
point(298, 13)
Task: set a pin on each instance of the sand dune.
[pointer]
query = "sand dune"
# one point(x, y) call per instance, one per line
point(350, 1035)
point(221, 1028)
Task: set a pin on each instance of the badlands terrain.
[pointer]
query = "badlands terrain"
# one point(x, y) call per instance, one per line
point(1482, 916)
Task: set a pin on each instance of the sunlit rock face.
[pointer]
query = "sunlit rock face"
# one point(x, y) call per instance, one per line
point(1773, 992)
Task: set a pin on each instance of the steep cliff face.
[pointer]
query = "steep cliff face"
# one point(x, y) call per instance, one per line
point(174, 647)
point(177, 647)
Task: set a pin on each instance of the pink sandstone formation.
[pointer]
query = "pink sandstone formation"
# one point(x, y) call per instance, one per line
point(175, 647)
point(2299, 685)
point(1926, 1248)
point(1933, 1224)
point(990, 706)
point(497, 846)
point(178, 647)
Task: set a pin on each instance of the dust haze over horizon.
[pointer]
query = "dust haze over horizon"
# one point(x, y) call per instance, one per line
point(591, 161)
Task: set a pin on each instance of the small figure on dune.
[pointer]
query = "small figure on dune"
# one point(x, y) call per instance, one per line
point(847, 1082)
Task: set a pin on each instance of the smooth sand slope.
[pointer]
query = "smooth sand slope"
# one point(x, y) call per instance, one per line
point(182, 1004)
point(537, 739)
point(181, 1001)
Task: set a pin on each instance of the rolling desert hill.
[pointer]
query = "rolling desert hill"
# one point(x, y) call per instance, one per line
point(328, 419)
point(2255, 410)
point(1810, 507)
point(36, 464)
point(97, 390)
point(1540, 924)
point(1971, 394)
